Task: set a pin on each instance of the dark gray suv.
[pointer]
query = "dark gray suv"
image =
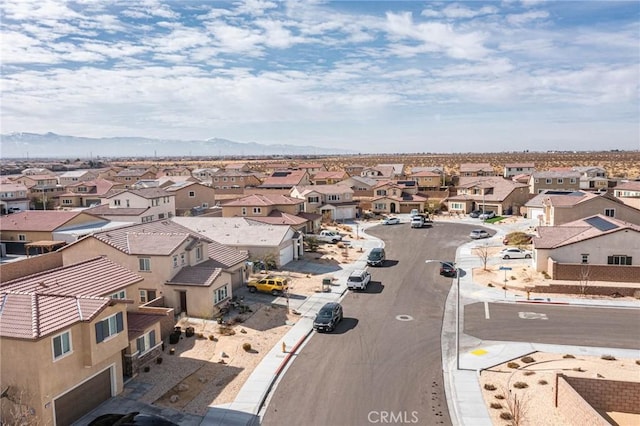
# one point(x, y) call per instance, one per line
point(376, 257)
point(328, 317)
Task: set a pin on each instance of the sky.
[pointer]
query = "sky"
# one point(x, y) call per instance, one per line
point(372, 76)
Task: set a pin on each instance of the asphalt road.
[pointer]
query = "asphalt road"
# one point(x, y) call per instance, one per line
point(383, 363)
point(554, 324)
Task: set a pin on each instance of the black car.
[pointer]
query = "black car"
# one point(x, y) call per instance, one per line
point(376, 257)
point(131, 419)
point(448, 270)
point(328, 317)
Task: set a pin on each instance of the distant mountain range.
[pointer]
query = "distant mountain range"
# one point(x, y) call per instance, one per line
point(51, 145)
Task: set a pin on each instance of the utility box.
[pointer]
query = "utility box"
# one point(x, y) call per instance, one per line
point(326, 284)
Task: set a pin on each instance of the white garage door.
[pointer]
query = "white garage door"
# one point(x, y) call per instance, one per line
point(286, 254)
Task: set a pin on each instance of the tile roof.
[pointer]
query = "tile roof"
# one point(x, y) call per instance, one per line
point(106, 210)
point(132, 172)
point(147, 193)
point(100, 186)
point(555, 174)
point(425, 173)
point(197, 275)
point(264, 200)
point(474, 167)
point(332, 174)
point(583, 229)
point(37, 220)
point(138, 323)
point(632, 185)
point(160, 237)
point(276, 217)
point(514, 165)
point(501, 187)
point(236, 231)
point(221, 256)
point(338, 188)
point(284, 177)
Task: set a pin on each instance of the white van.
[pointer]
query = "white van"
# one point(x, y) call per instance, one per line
point(414, 212)
point(417, 221)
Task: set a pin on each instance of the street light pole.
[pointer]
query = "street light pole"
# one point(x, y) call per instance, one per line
point(457, 306)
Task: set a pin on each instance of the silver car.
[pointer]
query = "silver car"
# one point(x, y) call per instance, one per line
point(477, 234)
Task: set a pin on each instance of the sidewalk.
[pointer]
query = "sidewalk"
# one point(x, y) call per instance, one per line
point(464, 396)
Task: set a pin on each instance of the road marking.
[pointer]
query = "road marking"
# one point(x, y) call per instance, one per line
point(404, 318)
point(486, 311)
point(532, 315)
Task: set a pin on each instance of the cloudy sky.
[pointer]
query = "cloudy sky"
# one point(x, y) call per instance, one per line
point(373, 76)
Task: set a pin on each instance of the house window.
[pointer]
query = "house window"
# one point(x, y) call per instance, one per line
point(536, 180)
point(619, 259)
point(220, 294)
point(147, 219)
point(192, 194)
point(147, 295)
point(244, 211)
point(313, 200)
point(109, 327)
point(145, 263)
point(175, 261)
point(143, 296)
point(548, 181)
point(205, 205)
point(116, 203)
point(61, 345)
point(257, 210)
point(380, 206)
point(183, 259)
point(199, 253)
point(585, 258)
point(381, 192)
point(610, 212)
point(457, 206)
point(67, 201)
point(224, 179)
point(119, 295)
point(146, 342)
point(560, 181)
point(333, 197)
point(233, 179)
point(160, 215)
point(22, 237)
point(155, 202)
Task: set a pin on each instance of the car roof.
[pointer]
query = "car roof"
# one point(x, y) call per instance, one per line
point(376, 249)
point(358, 272)
point(330, 305)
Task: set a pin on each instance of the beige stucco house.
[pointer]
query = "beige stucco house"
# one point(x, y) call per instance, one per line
point(489, 193)
point(554, 180)
point(73, 177)
point(596, 248)
point(87, 193)
point(391, 197)
point(511, 170)
point(333, 202)
point(13, 197)
point(560, 209)
point(628, 192)
point(137, 205)
point(476, 170)
point(191, 197)
point(262, 205)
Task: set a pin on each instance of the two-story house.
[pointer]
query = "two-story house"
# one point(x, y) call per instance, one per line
point(191, 197)
point(628, 192)
point(595, 248)
point(379, 172)
point(592, 178)
point(515, 169)
point(137, 205)
point(286, 179)
point(204, 175)
point(489, 194)
point(232, 179)
point(563, 208)
point(43, 190)
point(63, 340)
point(328, 177)
point(554, 180)
point(333, 202)
point(476, 169)
point(311, 168)
point(88, 193)
point(172, 259)
point(391, 197)
point(76, 176)
point(262, 205)
point(427, 180)
point(13, 197)
point(130, 176)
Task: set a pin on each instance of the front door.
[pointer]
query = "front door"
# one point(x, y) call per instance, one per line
point(393, 207)
point(183, 301)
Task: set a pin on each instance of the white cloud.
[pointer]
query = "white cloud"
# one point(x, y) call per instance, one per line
point(526, 17)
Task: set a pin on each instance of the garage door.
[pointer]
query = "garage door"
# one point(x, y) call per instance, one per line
point(286, 254)
point(82, 399)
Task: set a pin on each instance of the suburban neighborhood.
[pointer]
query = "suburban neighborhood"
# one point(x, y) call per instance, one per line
point(104, 269)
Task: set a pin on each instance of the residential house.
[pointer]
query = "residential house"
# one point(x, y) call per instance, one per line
point(488, 193)
point(204, 175)
point(592, 178)
point(173, 261)
point(563, 208)
point(628, 192)
point(63, 340)
point(286, 179)
point(238, 167)
point(76, 176)
point(362, 186)
point(232, 179)
point(262, 205)
point(137, 205)
point(87, 194)
point(175, 171)
point(398, 169)
point(380, 172)
point(354, 169)
point(427, 180)
point(393, 197)
point(311, 168)
point(595, 248)
point(554, 181)
point(534, 208)
point(476, 169)
point(328, 177)
point(43, 190)
point(36, 171)
point(130, 176)
point(279, 243)
point(333, 202)
point(13, 197)
point(514, 169)
point(44, 228)
point(269, 168)
point(191, 198)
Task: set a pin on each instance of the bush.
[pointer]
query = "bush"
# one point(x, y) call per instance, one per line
point(489, 387)
point(499, 396)
point(568, 356)
point(529, 373)
point(520, 385)
point(546, 275)
point(506, 416)
point(513, 365)
point(246, 346)
point(638, 361)
point(211, 337)
point(608, 357)
point(527, 359)
point(542, 382)
point(496, 405)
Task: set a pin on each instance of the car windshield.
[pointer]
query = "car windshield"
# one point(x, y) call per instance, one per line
point(356, 278)
point(325, 313)
point(375, 255)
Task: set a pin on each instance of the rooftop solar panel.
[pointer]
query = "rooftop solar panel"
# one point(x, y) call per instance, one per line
point(601, 223)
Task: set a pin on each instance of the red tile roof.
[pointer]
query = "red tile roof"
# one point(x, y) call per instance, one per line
point(221, 256)
point(198, 275)
point(263, 200)
point(277, 217)
point(37, 220)
point(138, 323)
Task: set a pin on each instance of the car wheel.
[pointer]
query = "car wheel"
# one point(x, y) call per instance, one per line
point(275, 292)
point(506, 256)
point(527, 256)
point(252, 289)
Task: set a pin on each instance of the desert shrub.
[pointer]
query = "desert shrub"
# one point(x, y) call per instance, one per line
point(340, 245)
point(147, 369)
point(489, 387)
point(546, 275)
point(226, 330)
point(513, 365)
point(527, 359)
point(529, 373)
point(506, 416)
point(246, 346)
point(638, 361)
point(568, 356)
point(496, 405)
point(542, 382)
point(520, 385)
point(608, 357)
point(499, 396)
point(578, 369)
point(211, 337)
point(512, 277)
point(489, 285)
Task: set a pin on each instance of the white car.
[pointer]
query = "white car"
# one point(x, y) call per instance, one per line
point(477, 234)
point(487, 215)
point(515, 253)
point(391, 221)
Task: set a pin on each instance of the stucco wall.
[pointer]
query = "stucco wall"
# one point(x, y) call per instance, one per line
point(573, 407)
point(29, 265)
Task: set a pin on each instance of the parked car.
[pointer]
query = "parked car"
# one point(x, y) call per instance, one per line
point(328, 317)
point(131, 419)
point(417, 221)
point(329, 236)
point(273, 285)
point(475, 213)
point(448, 270)
point(358, 280)
point(376, 257)
point(515, 253)
point(487, 215)
point(393, 220)
point(414, 212)
point(477, 234)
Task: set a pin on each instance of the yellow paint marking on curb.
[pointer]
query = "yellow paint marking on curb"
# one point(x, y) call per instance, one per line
point(479, 352)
